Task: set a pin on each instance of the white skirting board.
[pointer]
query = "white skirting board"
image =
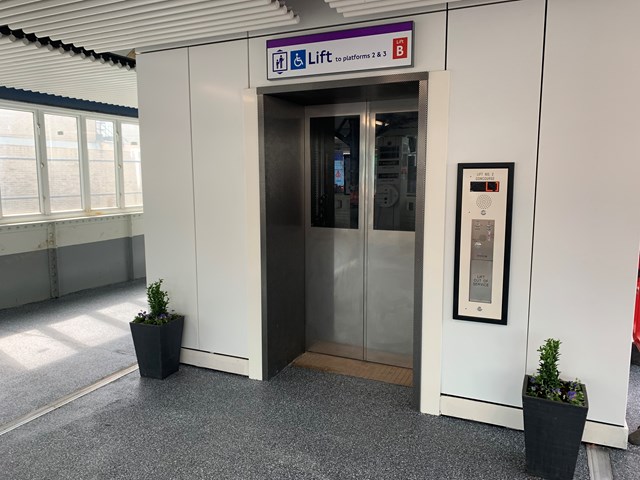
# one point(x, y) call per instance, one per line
point(214, 361)
point(511, 417)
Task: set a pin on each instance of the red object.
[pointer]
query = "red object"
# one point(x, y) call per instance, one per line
point(400, 47)
point(636, 318)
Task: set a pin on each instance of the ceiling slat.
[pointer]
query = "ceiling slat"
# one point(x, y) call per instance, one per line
point(111, 9)
point(192, 24)
point(354, 8)
point(35, 7)
point(141, 19)
point(158, 41)
point(121, 40)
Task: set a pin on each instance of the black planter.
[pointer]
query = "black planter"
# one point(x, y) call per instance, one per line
point(158, 347)
point(552, 435)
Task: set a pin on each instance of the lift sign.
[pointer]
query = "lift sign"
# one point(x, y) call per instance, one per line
point(367, 48)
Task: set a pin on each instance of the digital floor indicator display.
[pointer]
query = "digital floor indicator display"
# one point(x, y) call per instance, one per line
point(483, 242)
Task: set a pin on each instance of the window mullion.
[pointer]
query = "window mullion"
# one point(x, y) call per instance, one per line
point(84, 164)
point(43, 163)
point(119, 165)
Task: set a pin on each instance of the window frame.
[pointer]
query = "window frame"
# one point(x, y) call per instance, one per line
point(120, 151)
point(38, 162)
point(117, 161)
point(39, 112)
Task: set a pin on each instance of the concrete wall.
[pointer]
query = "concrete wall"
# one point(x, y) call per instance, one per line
point(550, 86)
point(44, 260)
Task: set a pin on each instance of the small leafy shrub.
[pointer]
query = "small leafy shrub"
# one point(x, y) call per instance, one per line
point(158, 301)
point(547, 383)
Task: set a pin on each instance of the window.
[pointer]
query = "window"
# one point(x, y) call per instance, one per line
point(335, 171)
point(18, 164)
point(131, 165)
point(62, 162)
point(102, 164)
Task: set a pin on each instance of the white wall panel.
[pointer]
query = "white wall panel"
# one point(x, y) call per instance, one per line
point(587, 229)
point(137, 224)
point(87, 230)
point(23, 238)
point(218, 78)
point(254, 259)
point(167, 178)
point(428, 51)
point(494, 56)
point(30, 237)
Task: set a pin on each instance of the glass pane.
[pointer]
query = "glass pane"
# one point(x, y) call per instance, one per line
point(335, 170)
point(63, 161)
point(102, 164)
point(131, 165)
point(18, 164)
point(395, 171)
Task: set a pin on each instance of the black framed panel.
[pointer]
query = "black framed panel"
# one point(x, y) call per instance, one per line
point(484, 208)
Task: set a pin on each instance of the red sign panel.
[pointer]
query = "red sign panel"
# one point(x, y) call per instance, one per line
point(400, 47)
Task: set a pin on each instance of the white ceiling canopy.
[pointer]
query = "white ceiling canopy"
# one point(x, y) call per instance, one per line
point(357, 8)
point(56, 69)
point(61, 47)
point(111, 25)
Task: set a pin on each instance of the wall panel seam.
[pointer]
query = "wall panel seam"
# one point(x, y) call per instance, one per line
point(193, 199)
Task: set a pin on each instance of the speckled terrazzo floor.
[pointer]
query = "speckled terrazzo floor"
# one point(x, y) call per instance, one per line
point(201, 424)
point(53, 348)
point(626, 464)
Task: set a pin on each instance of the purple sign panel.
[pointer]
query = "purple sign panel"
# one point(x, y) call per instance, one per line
point(343, 51)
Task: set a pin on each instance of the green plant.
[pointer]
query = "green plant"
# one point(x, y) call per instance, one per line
point(158, 301)
point(547, 383)
point(548, 377)
point(157, 298)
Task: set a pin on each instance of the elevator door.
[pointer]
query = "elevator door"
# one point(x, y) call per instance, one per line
point(360, 230)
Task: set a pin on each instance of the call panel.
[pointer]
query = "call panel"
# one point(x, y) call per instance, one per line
point(483, 239)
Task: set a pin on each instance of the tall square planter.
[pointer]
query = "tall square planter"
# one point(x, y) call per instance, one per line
point(158, 347)
point(552, 433)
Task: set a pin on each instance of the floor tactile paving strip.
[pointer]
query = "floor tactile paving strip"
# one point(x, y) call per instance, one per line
point(356, 368)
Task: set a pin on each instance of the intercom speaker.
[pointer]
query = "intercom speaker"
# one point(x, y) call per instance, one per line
point(483, 201)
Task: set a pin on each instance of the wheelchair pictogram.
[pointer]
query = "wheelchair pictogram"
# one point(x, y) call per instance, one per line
point(298, 59)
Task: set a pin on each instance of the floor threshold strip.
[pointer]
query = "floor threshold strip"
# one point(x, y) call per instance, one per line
point(18, 422)
point(599, 463)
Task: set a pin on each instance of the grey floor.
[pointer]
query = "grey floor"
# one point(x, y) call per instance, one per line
point(53, 348)
point(205, 424)
point(200, 424)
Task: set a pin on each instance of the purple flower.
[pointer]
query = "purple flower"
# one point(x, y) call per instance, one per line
point(571, 394)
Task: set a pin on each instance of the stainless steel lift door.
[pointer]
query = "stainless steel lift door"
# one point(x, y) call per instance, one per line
point(360, 223)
